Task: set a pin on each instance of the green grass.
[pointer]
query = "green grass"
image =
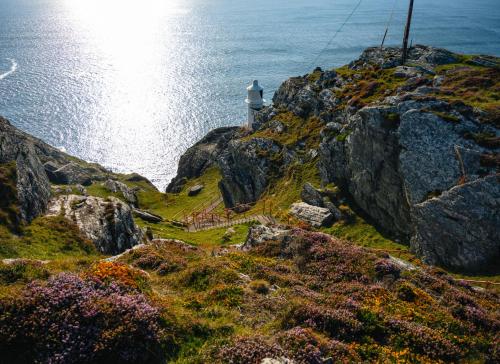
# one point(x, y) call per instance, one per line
point(9, 204)
point(46, 238)
point(207, 238)
point(296, 130)
point(171, 206)
point(283, 192)
point(98, 190)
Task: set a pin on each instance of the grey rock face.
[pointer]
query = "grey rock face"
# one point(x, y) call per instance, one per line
point(70, 174)
point(429, 157)
point(391, 57)
point(304, 99)
point(147, 216)
point(33, 186)
point(38, 164)
point(392, 166)
point(461, 228)
point(247, 167)
point(311, 195)
point(259, 234)
point(201, 156)
point(366, 165)
point(107, 223)
point(128, 194)
point(313, 215)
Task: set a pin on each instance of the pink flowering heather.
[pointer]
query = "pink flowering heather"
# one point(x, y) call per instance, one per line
point(72, 320)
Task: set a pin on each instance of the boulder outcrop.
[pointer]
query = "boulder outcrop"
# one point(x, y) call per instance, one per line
point(107, 223)
point(460, 228)
point(247, 167)
point(391, 169)
point(312, 215)
point(201, 156)
point(259, 234)
point(32, 184)
point(128, 194)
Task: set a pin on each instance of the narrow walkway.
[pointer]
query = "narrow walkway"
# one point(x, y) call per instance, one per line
point(263, 219)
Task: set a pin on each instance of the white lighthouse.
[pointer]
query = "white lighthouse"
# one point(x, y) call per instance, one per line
point(255, 101)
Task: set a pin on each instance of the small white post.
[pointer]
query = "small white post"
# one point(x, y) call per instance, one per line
point(255, 101)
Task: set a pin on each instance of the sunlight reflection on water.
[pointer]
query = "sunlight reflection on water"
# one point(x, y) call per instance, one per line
point(131, 84)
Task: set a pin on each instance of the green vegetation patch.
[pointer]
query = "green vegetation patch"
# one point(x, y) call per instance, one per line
point(9, 204)
point(46, 238)
point(447, 117)
point(295, 130)
point(366, 86)
point(474, 86)
point(174, 206)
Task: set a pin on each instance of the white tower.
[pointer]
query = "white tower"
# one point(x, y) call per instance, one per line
point(255, 101)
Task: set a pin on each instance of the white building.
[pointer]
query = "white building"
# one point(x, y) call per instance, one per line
point(255, 101)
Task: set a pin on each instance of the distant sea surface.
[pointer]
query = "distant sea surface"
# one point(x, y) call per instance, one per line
point(131, 84)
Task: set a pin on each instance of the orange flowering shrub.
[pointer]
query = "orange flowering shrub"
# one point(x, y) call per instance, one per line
point(114, 272)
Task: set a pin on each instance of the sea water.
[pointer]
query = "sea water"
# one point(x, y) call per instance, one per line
point(131, 84)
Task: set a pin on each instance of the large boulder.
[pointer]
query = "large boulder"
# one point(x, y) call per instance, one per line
point(107, 223)
point(71, 174)
point(201, 156)
point(461, 228)
point(195, 190)
point(311, 195)
point(32, 184)
point(312, 215)
point(260, 234)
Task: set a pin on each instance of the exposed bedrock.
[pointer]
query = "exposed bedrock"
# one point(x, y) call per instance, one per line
point(201, 156)
point(32, 184)
point(107, 223)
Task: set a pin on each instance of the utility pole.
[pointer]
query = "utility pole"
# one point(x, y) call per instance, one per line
point(407, 33)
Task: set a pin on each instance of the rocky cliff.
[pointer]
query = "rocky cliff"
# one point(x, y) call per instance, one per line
point(415, 148)
point(27, 192)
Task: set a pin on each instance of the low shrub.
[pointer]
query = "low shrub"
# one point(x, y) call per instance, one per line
point(337, 323)
point(304, 346)
point(74, 320)
point(259, 286)
point(384, 267)
point(22, 270)
point(230, 296)
point(424, 340)
point(406, 292)
point(244, 350)
point(112, 272)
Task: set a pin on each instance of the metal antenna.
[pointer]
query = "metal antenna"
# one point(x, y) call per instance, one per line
point(407, 33)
